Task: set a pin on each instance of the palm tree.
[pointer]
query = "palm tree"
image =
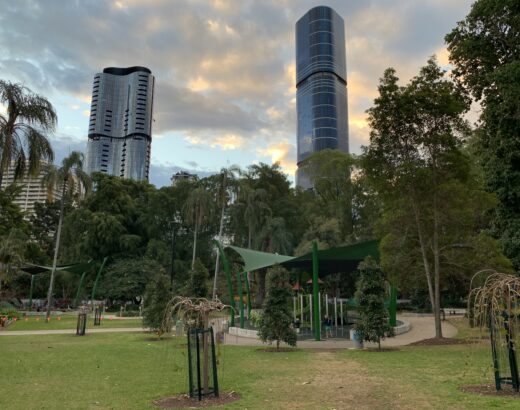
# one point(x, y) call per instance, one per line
point(71, 179)
point(198, 206)
point(256, 209)
point(21, 142)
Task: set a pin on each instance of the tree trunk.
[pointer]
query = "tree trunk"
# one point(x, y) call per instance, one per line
point(56, 250)
point(194, 245)
point(436, 267)
point(260, 290)
point(221, 229)
point(278, 345)
point(426, 264)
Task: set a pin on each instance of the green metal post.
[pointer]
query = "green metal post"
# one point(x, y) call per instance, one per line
point(246, 280)
point(315, 292)
point(79, 288)
point(392, 305)
point(241, 299)
point(227, 270)
point(97, 279)
point(31, 292)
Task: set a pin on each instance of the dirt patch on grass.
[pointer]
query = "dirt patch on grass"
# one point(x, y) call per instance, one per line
point(383, 349)
point(445, 341)
point(280, 350)
point(181, 401)
point(490, 390)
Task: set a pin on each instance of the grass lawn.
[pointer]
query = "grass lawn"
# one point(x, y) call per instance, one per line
point(68, 322)
point(128, 371)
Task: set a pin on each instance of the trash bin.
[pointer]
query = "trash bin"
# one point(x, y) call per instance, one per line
point(355, 337)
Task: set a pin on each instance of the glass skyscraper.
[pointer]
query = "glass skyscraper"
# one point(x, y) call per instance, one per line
point(120, 129)
point(321, 84)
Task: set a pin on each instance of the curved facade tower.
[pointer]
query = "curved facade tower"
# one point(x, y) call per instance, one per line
point(120, 129)
point(321, 85)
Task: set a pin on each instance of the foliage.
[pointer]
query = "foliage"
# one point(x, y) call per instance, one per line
point(276, 320)
point(156, 299)
point(371, 296)
point(22, 139)
point(197, 285)
point(432, 204)
point(11, 216)
point(12, 250)
point(126, 279)
point(484, 49)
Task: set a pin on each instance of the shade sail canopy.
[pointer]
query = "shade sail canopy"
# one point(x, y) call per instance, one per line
point(254, 260)
point(340, 259)
point(73, 268)
point(333, 260)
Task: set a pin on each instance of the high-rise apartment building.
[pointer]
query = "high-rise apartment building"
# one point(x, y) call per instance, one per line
point(120, 128)
point(31, 190)
point(321, 85)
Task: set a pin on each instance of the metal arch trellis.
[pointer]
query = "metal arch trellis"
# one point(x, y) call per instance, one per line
point(496, 306)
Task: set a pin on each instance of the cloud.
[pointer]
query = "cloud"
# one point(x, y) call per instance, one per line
point(224, 69)
point(283, 153)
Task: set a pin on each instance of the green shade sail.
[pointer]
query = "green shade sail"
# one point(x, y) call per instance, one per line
point(254, 260)
point(73, 268)
point(340, 259)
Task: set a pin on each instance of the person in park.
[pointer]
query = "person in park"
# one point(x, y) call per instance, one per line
point(327, 323)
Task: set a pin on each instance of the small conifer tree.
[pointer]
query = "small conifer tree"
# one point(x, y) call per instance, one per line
point(275, 323)
point(373, 322)
point(156, 298)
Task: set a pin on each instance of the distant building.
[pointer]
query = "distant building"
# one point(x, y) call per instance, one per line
point(182, 176)
point(120, 128)
point(321, 85)
point(32, 191)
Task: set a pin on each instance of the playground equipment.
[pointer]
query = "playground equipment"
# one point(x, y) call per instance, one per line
point(97, 316)
point(342, 259)
point(496, 306)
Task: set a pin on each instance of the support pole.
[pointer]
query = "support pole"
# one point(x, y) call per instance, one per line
point(294, 308)
point(246, 280)
point(310, 312)
point(341, 312)
point(79, 288)
point(97, 279)
point(301, 308)
point(31, 292)
point(240, 299)
point(227, 270)
point(315, 292)
point(326, 304)
point(392, 305)
point(335, 313)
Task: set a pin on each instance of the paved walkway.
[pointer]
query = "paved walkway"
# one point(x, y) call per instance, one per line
point(422, 328)
point(70, 331)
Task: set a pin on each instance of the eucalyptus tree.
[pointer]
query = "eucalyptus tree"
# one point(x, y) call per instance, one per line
point(414, 160)
point(71, 180)
point(22, 139)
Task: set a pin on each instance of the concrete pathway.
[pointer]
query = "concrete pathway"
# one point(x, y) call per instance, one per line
point(422, 328)
point(71, 331)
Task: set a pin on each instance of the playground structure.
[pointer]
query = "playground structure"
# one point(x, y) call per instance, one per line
point(78, 268)
point(321, 263)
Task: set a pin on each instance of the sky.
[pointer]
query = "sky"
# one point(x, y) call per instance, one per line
point(225, 69)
